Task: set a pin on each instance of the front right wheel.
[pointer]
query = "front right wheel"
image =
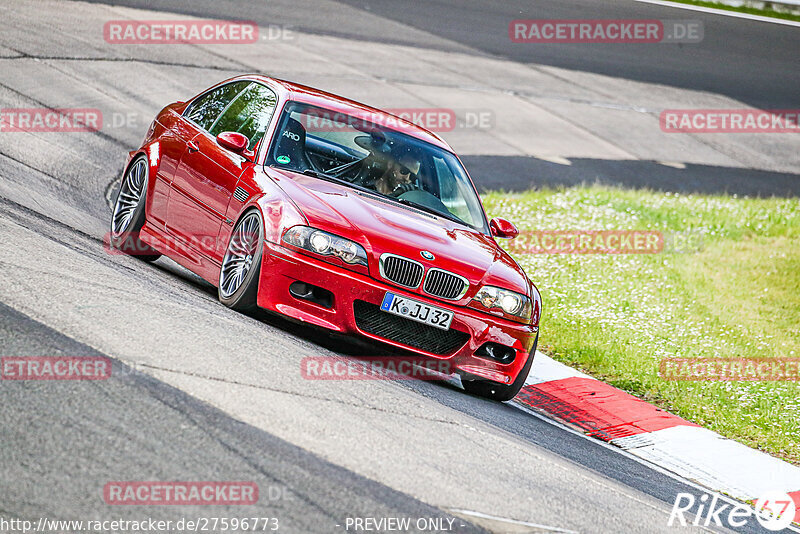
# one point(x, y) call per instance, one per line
point(496, 391)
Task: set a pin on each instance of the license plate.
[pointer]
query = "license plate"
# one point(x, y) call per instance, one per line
point(417, 311)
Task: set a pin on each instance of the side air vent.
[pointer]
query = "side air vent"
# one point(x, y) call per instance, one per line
point(240, 194)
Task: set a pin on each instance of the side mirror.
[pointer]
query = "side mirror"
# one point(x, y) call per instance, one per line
point(503, 228)
point(235, 142)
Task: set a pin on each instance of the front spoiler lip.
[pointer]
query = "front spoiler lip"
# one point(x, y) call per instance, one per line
point(482, 372)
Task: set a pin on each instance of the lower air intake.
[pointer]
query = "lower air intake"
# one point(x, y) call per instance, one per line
point(372, 320)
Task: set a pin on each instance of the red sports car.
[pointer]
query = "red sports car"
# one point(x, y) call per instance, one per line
point(335, 214)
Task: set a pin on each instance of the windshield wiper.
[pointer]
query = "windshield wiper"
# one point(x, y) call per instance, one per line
point(323, 176)
point(334, 179)
point(428, 209)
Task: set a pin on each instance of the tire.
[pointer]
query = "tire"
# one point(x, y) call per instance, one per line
point(128, 215)
point(496, 391)
point(241, 265)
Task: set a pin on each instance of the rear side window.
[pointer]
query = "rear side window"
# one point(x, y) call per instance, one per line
point(206, 109)
point(248, 114)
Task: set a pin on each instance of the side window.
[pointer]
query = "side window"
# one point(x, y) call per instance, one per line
point(449, 190)
point(205, 110)
point(248, 114)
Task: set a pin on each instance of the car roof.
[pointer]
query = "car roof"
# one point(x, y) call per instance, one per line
point(340, 104)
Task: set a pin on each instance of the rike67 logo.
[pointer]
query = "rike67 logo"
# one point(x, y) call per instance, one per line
point(775, 511)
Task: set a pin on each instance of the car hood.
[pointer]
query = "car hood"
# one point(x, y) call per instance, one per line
point(382, 226)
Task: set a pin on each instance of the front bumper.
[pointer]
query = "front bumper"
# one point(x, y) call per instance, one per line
point(281, 267)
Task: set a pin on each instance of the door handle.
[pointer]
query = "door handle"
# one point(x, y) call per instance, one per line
point(191, 146)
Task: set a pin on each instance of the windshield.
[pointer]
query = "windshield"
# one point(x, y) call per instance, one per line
point(371, 156)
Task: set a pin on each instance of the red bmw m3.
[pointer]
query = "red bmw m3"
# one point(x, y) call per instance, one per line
point(337, 215)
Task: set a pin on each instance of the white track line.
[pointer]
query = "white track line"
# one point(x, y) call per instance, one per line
point(723, 12)
point(638, 459)
point(697, 456)
point(715, 462)
point(511, 521)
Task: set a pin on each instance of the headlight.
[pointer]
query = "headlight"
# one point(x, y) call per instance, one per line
point(326, 244)
point(509, 302)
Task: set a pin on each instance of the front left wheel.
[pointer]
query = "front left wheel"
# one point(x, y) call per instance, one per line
point(241, 266)
point(128, 215)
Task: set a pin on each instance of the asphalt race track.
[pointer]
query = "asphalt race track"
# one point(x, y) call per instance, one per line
point(199, 392)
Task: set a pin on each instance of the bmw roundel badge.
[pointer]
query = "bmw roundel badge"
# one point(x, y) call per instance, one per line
point(427, 255)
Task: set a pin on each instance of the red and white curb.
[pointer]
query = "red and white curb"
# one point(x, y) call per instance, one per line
point(686, 449)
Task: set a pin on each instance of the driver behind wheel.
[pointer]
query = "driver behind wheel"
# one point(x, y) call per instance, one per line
point(397, 179)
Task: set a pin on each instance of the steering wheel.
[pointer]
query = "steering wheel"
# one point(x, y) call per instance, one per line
point(379, 154)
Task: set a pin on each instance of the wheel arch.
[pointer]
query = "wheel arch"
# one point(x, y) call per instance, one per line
point(278, 213)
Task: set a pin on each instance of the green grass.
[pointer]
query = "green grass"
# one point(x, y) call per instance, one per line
point(616, 316)
point(766, 12)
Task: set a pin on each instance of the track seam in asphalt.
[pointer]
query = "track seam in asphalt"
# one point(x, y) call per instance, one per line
point(304, 395)
point(227, 430)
